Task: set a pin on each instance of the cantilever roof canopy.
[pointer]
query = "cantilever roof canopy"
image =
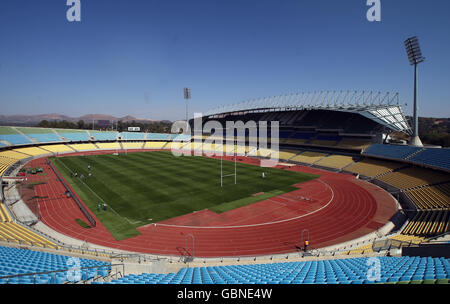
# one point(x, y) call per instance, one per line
point(381, 108)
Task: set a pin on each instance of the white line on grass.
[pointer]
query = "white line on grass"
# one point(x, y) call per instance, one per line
point(261, 224)
point(131, 222)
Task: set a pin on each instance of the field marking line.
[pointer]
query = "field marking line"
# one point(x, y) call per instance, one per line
point(129, 221)
point(261, 224)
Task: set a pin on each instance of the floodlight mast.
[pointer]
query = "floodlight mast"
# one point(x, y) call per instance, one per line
point(187, 96)
point(415, 57)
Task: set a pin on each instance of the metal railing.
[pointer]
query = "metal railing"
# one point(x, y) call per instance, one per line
point(75, 198)
point(68, 280)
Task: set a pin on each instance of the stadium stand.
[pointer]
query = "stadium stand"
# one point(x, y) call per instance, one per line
point(133, 136)
point(4, 215)
point(45, 138)
point(154, 144)
point(392, 151)
point(411, 239)
point(32, 151)
point(353, 143)
point(13, 155)
point(158, 136)
point(339, 271)
point(109, 146)
point(41, 135)
point(57, 148)
point(5, 163)
point(181, 137)
point(326, 140)
point(74, 135)
point(428, 223)
point(287, 154)
point(98, 135)
point(132, 145)
point(83, 147)
point(434, 157)
point(335, 161)
point(15, 261)
point(308, 157)
point(433, 197)
point(373, 167)
point(12, 232)
point(15, 139)
point(299, 138)
point(412, 177)
point(364, 249)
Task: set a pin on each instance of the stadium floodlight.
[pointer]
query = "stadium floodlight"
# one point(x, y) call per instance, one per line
point(187, 96)
point(415, 57)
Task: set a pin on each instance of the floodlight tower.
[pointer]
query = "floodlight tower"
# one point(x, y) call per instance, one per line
point(187, 96)
point(415, 57)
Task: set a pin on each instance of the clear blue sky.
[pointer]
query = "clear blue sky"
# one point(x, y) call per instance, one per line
point(135, 56)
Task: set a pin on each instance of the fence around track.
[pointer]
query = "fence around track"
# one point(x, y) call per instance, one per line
point(84, 274)
point(75, 198)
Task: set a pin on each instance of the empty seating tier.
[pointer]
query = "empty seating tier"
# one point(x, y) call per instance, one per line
point(414, 177)
point(5, 163)
point(13, 155)
point(32, 151)
point(40, 134)
point(373, 167)
point(434, 157)
point(326, 140)
point(411, 239)
point(73, 135)
point(335, 161)
point(83, 147)
point(161, 136)
point(109, 146)
point(132, 145)
point(155, 144)
point(14, 261)
point(13, 232)
point(58, 148)
point(392, 151)
point(354, 143)
point(308, 157)
point(428, 223)
point(104, 135)
point(286, 154)
point(338, 271)
point(433, 197)
point(133, 136)
point(4, 214)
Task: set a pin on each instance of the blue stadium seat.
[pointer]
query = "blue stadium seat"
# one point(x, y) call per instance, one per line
point(112, 136)
point(14, 261)
point(391, 151)
point(434, 157)
point(75, 136)
point(15, 139)
point(45, 137)
point(159, 136)
point(345, 271)
point(132, 136)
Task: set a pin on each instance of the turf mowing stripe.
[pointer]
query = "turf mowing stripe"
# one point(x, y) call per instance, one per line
point(177, 185)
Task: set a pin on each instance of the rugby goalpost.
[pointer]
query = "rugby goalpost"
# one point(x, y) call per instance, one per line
point(235, 166)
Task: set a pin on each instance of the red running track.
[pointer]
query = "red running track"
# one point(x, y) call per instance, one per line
point(339, 208)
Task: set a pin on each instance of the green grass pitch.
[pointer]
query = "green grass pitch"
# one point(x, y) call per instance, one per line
point(148, 187)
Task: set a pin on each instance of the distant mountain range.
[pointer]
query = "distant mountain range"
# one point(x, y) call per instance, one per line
point(35, 119)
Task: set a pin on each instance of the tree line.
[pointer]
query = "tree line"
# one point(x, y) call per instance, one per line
point(150, 127)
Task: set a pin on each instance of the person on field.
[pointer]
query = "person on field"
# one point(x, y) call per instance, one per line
point(306, 245)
